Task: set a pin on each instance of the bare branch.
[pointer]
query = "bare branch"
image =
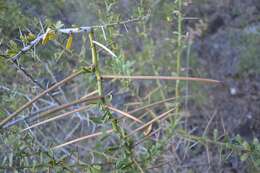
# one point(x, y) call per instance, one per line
point(152, 121)
point(124, 113)
point(161, 78)
point(64, 106)
point(3, 122)
point(82, 138)
point(55, 118)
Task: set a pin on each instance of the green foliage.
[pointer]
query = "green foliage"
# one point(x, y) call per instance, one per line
point(250, 152)
point(250, 53)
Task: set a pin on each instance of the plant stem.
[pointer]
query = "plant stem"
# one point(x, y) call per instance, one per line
point(179, 51)
point(95, 62)
point(177, 78)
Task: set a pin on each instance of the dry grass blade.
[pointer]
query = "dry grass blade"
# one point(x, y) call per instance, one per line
point(160, 78)
point(90, 94)
point(82, 138)
point(152, 121)
point(3, 122)
point(56, 117)
point(152, 104)
point(64, 106)
point(105, 48)
point(125, 114)
point(100, 133)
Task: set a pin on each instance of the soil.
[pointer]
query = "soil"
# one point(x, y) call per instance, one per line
point(233, 108)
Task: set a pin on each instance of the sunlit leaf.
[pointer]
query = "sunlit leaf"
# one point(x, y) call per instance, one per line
point(11, 52)
point(148, 130)
point(58, 25)
point(244, 157)
point(69, 42)
point(52, 35)
point(31, 37)
point(95, 169)
point(49, 35)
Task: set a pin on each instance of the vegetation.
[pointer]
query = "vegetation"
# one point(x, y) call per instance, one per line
point(108, 96)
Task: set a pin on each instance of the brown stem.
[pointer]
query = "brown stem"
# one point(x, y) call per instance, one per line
point(160, 78)
point(64, 106)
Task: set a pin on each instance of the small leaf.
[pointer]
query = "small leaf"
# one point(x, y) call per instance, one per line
point(215, 134)
point(31, 37)
point(244, 157)
point(246, 146)
point(89, 69)
point(148, 130)
point(52, 35)
point(45, 38)
point(49, 35)
point(115, 126)
point(112, 148)
point(104, 33)
point(11, 52)
point(69, 42)
point(95, 169)
point(58, 25)
point(23, 38)
point(13, 45)
point(97, 120)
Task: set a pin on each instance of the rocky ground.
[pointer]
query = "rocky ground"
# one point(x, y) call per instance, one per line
point(227, 51)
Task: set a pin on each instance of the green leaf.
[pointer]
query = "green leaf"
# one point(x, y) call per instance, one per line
point(13, 45)
point(95, 169)
point(69, 42)
point(115, 126)
point(11, 52)
point(48, 36)
point(244, 157)
point(112, 148)
point(30, 37)
point(215, 134)
point(58, 25)
point(246, 146)
point(89, 69)
point(97, 120)
point(123, 164)
point(2, 113)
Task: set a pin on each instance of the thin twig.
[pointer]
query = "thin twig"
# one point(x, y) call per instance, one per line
point(95, 62)
point(75, 30)
point(33, 114)
point(124, 113)
point(26, 105)
point(161, 78)
point(34, 81)
point(152, 121)
point(179, 53)
point(56, 117)
point(152, 104)
point(83, 138)
point(64, 106)
point(138, 165)
point(14, 59)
